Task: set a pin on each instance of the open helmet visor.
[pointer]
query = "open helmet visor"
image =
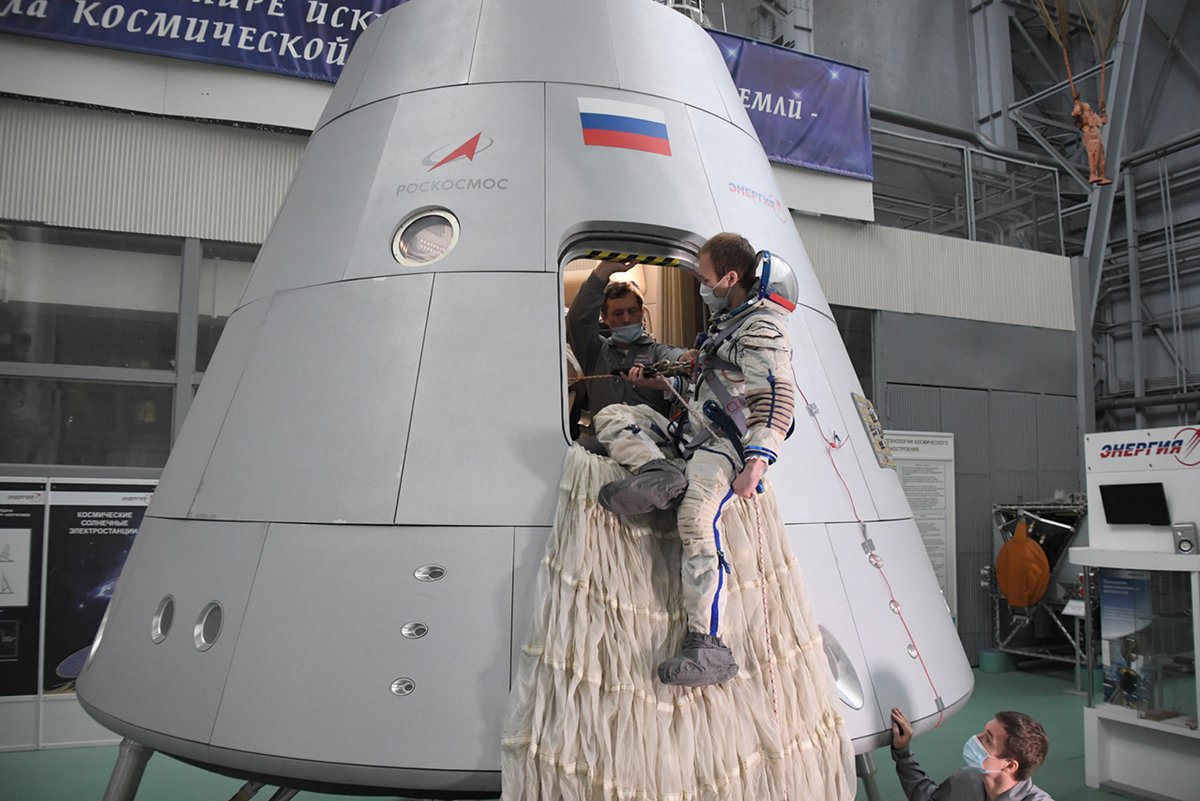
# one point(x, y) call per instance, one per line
point(777, 281)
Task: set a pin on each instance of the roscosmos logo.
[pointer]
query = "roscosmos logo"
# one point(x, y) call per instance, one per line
point(451, 154)
point(446, 154)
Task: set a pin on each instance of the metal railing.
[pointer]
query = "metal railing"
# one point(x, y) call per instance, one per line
point(966, 192)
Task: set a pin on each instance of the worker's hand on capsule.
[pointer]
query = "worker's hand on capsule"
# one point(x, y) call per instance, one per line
point(901, 730)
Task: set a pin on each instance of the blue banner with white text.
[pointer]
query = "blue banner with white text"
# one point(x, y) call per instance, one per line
point(305, 38)
point(808, 111)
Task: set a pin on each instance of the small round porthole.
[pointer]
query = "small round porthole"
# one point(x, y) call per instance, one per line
point(425, 237)
point(208, 626)
point(414, 631)
point(429, 573)
point(164, 616)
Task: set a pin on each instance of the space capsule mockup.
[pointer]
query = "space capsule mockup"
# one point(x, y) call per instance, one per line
point(333, 580)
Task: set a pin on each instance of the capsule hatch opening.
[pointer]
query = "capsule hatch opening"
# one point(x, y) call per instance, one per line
point(661, 272)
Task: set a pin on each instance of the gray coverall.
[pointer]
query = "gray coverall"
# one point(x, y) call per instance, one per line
point(599, 355)
point(753, 366)
point(965, 784)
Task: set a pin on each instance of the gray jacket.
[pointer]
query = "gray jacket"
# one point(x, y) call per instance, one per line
point(598, 355)
point(962, 785)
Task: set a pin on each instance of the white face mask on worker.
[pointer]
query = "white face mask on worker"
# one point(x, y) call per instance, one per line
point(715, 303)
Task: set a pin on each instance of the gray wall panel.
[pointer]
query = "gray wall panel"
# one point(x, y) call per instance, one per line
point(882, 35)
point(512, 45)
point(292, 447)
point(650, 63)
point(973, 550)
point(735, 111)
point(342, 97)
point(1014, 435)
point(875, 267)
point(1014, 486)
point(974, 605)
point(945, 351)
point(973, 530)
point(180, 688)
point(333, 187)
point(406, 65)
point(84, 168)
point(464, 431)
point(190, 454)
point(964, 414)
point(269, 707)
point(912, 408)
point(1058, 435)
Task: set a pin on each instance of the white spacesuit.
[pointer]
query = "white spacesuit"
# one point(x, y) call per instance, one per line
point(740, 408)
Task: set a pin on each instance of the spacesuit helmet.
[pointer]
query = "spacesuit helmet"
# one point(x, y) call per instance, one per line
point(777, 282)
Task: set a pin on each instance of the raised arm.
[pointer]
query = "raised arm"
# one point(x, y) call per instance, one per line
point(914, 781)
point(583, 318)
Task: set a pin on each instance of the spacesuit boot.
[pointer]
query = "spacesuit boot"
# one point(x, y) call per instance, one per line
point(656, 485)
point(702, 661)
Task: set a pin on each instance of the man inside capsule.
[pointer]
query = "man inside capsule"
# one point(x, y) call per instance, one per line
point(739, 411)
point(619, 305)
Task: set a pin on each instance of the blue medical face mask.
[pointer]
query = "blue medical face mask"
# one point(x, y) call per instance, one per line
point(626, 334)
point(974, 753)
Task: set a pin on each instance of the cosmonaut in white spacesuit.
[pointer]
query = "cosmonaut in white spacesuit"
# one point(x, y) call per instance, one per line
point(739, 410)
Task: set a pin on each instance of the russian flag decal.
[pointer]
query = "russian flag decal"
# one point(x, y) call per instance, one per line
point(614, 123)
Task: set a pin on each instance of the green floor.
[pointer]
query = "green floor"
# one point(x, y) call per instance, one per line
point(81, 774)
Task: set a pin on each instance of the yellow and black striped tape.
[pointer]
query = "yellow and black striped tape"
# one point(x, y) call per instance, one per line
point(612, 255)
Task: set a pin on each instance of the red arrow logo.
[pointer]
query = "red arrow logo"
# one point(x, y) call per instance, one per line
point(467, 149)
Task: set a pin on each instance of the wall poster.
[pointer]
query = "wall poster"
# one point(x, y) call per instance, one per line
point(925, 464)
point(22, 527)
point(91, 530)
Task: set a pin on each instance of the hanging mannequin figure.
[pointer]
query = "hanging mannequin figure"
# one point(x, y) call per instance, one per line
point(1090, 123)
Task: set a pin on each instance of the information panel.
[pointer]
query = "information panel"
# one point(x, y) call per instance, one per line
point(92, 527)
point(925, 464)
point(22, 526)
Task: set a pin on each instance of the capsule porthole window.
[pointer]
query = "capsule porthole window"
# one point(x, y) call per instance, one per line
point(424, 237)
point(208, 626)
point(164, 616)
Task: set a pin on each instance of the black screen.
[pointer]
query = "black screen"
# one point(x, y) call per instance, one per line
point(1135, 504)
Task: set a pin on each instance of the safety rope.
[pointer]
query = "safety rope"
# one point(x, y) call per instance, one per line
point(835, 443)
point(762, 579)
point(663, 367)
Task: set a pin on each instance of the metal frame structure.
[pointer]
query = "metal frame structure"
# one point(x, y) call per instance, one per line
point(1135, 239)
point(1054, 515)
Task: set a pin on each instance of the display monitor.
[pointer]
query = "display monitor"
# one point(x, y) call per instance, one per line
point(1135, 504)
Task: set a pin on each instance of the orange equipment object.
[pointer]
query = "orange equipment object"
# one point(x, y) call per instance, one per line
point(1022, 570)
